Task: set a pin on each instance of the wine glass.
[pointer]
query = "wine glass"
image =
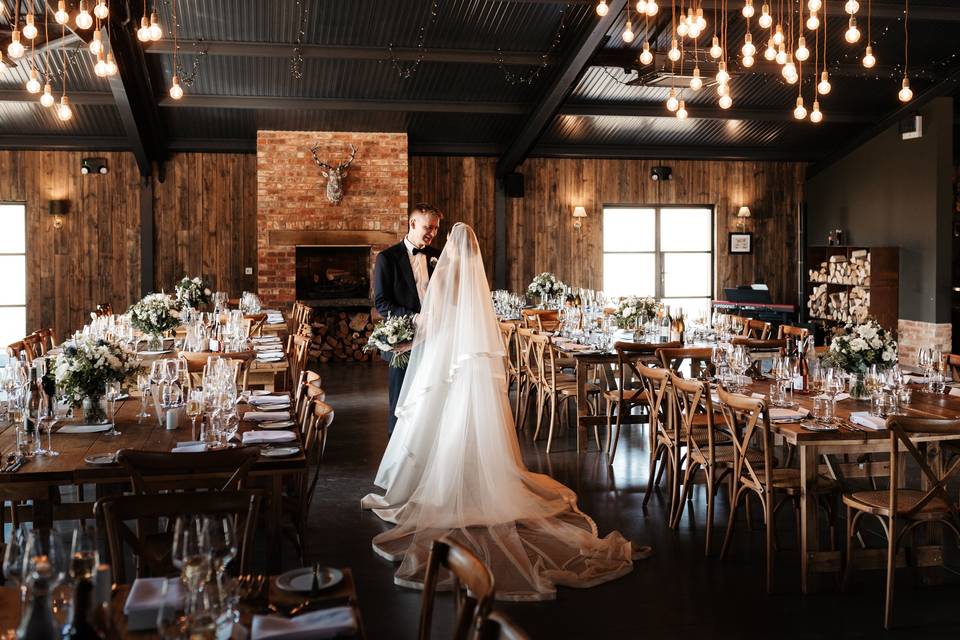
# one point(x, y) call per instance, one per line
point(14, 560)
point(44, 547)
point(873, 381)
point(173, 622)
point(194, 409)
point(740, 362)
point(188, 553)
point(143, 386)
point(220, 541)
point(84, 557)
point(925, 359)
point(111, 394)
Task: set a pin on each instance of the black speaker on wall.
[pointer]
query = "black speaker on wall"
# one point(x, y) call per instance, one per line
point(513, 185)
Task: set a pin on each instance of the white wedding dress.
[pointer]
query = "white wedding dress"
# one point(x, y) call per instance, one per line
point(453, 465)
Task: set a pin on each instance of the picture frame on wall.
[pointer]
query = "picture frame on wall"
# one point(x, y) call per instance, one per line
point(741, 242)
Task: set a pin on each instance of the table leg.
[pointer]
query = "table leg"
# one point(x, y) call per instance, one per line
point(930, 538)
point(809, 525)
point(582, 405)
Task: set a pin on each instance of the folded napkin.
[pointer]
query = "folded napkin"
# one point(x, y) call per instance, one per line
point(780, 414)
point(189, 447)
point(266, 350)
point(144, 600)
point(840, 396)
point(919, 379)
point(276, 398)
point(266, 339)
point(864, 419)
point(270, 358)
point(266, 416)
point(266, 437)
point(326, 623)
point(955, 391)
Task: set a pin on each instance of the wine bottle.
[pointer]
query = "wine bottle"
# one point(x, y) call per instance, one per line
point(80, 626)
point(37, 622)
point(679, 327)
point(665, 325)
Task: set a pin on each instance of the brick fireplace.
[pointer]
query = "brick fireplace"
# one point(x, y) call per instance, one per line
point(293, 211)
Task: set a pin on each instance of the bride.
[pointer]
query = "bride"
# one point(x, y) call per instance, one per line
point(453, 465)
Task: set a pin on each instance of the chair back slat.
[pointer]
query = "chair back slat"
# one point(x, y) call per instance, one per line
point(796, 333)
point(472, 588)
point(499, 627)
point(692, 397)
point(698, 359)
point(757, 329)
point(901, 429)
point(155, 471)
point(747, 423)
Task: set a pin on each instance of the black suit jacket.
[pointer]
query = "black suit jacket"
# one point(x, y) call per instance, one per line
point(394, 287)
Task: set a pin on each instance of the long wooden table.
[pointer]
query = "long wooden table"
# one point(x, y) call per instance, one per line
point(40, 479)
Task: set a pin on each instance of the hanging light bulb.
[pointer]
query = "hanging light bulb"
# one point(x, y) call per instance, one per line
point(102, 11)
point(814, 5)
point(101, 68)
point(813, 22)
point(61, 16)
point(30, 29)
point(770, 53)
point(747, 61)
point(646, 57)
point(765, 20)
point(905, 95)
point(778, 36)
point(602, 8)
point(155, 31)
point(789, 68)
point(723, 89)
point(701, 21)
point(33, 84)
point(852, 34)
point(96, 45)
point(64, 112)
point(628, 33)
point(868, 59)
point(84, 19)
point(674, 53)
point(672, 103)
point(800, 112)
point(641, 6)
point(652, 8)
point(748, 9)
point(715, 50)
point(726, 101)
point(694, 31)
point(176, 91)
point(722, 76)
point(748, 49)
point(824, 87)
point(15, 49)
point(792, 79)
point(682, 111)
point(816, 115)
point(781, 56)
point(802, 53)
point(47, 98)
point(851, 7)
point(143, 33)
point(111, 65)
point(682, 29)
point(696, 82)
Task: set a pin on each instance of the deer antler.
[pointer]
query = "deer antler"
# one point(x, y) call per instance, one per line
point(320, 163)
point(343, 166)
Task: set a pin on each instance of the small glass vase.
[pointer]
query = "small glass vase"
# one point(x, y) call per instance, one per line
point(858, 387)
point(155, 342)
point(94, 410)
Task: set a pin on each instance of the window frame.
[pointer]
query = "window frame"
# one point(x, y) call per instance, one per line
point(23, 205)
point(658, 276)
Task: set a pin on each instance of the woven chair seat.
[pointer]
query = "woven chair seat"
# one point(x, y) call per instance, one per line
point(879, 502)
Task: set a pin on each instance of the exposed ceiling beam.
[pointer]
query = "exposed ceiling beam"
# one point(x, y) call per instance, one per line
point(675, 152)
point(558, 90)
point(76, 97)
point(338, 104)
point(705, 112)
point(64, 142)
point(213, 145)
point(947, 86)
point(318, 52)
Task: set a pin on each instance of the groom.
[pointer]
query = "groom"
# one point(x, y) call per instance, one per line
point(400, 280)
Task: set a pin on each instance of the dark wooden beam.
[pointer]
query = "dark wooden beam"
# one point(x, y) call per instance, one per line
point(342, 104)
point(146, 236)
point(559, 89)
point(322, 52)
point(76, 97)
point(703, 112)
point(213, 145)
point(455, 149)
point(64, 142)
point(500, 234)
point(690, 152)
point(947, 86)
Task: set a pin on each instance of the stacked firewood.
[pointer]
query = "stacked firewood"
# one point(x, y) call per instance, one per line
point(839, 270)
point(339, 336)
point(843, 305)
point(817, 302)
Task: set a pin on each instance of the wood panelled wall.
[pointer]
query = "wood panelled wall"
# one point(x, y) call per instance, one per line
point(205, 221)
point(540, 233)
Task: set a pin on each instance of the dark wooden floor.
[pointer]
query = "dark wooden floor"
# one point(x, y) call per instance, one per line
point(677, 594)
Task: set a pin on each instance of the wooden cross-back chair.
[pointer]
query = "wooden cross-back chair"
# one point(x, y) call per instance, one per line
point(951, 363)
point(756, 471)
point(153, 553)
point(541, 319)
point(155, 471)
point(796, 333)
point(300, 396)
point(553, 386)
point(298, 352)
point(758, 329)
point(48, 338)
point(897, 505)
point(255, 322)
point(527, 382)
point(665, 436)
point(315, 425)
point(14, 349)
point(760, 351)
point(512, 363)
point(197, 361)
point(499, 627)
point(34, 346)
point(104, 309)
point(472, 585)
point(698, 359)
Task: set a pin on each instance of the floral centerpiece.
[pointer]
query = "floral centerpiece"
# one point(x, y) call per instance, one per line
point(154, 315)
point(545, 286)
point(83, 368)
point(634, 310)
point(393, 334)
point(192, 292)
point(858, 348)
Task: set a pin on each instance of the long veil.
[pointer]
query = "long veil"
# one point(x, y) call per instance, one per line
point(453, 465)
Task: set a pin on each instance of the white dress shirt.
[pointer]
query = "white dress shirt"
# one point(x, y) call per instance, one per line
point(419, 265)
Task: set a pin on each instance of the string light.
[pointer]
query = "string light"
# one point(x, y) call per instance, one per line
point(814, 5)
point(726, 101)
point(64, 112)
point(781, 56)
point(722, 76)
point(101, 68)
point(802, 53)
point(47, 99)
point(682, 110)
point(33, 84)
point(30, 29)
point(868, 59)
point(101, 11)
point(851, 7)
point(748, 50)
point(96, 45)
point(674, 53)
point(813, 22)
point(602, 8)
point(111, 65)
point(652, 8)
point(747, 61)
point(61, 16)
point(696, 82)
point(628, 33)
point(852, 34)
point(176, 91)
point(646, 56)
point(765, 20)
point(641, 7)
point(906, 94)
point(715, 50)
point(778, 35)
point(748, 9)
point(672, 103)
point(84, 19)
point(824, 87)
point(155, 31)
point(800, 112)
point(770, 53)
point(15, 49)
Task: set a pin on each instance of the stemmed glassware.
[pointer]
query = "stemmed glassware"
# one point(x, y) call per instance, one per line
point(194, 409)
point(220, 540)
point(112, 393)
point(143, 386)
point(84, 557)
point(14, 560)
point(739, 360)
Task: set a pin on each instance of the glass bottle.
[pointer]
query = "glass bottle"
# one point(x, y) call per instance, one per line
point(38, 622)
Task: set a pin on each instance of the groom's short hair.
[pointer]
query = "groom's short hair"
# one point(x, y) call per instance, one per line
point(425, 209)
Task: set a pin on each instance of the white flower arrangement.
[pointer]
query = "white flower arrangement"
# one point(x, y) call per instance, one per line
point(393, 333)
point(546, 285)
point(861, 346)
point(85, 365)
point(192, 292)
point(633, 308)
point(154, 315)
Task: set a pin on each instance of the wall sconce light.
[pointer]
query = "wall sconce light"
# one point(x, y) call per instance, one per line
point(58, 209)
point(579, 213)
point(742, 216)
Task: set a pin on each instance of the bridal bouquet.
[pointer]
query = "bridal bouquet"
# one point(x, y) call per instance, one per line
point(545, 286)
point(393, 333)
point(633, 309)
point(192, 292)
point(154, 315)
point(85, 365)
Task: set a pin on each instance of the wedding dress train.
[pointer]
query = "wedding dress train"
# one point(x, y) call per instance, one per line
point(453, 466)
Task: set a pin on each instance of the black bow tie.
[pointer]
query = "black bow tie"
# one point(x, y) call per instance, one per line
point(418, 251)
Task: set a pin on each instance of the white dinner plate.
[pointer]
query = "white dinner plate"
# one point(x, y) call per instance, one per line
point(273, 407)
point(154, 353)
point(101, 459)
point(282, 424)
point(301, 580)
point(279, 452)
point(84, 428)
point(820, 426)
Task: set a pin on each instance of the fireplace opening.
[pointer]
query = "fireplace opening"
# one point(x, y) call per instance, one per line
point(330, 273)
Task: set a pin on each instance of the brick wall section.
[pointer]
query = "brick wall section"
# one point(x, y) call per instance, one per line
point(291, 194)
point(912, 335)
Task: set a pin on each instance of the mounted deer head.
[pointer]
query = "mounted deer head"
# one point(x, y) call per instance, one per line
point(334, 175)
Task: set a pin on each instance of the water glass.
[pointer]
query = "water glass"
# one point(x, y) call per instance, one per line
point(823, 409)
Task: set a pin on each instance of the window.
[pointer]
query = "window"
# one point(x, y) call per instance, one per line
point(663, 252)
point(13, 266)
